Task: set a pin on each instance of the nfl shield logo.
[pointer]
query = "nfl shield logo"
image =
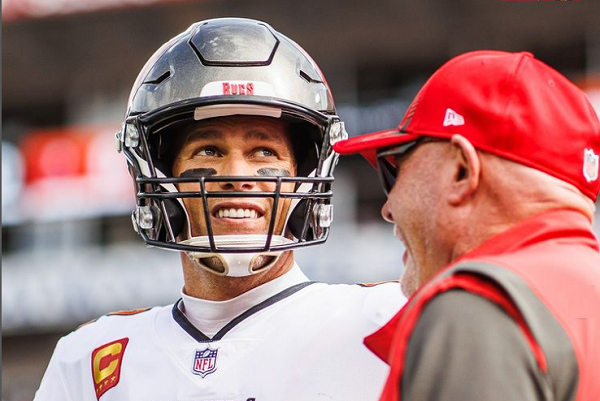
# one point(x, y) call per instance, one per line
point(591, 165)
point(205, 362)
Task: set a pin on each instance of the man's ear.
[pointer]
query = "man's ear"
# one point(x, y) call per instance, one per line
point(467, 170)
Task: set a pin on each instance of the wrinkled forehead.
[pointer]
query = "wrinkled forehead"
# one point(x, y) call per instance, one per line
point(239, 129)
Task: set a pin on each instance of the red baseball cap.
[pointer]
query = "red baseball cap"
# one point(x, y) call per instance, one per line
point(508, 104)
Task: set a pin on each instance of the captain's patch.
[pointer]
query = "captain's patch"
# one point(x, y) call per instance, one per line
point(106, 365)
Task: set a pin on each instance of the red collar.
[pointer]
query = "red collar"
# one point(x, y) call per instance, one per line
point(543, 227)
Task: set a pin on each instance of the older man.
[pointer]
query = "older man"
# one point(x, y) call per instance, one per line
point(491, 180)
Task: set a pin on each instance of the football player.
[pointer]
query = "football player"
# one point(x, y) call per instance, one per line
point(228, 137)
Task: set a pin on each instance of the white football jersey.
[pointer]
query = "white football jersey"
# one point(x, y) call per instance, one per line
point(302, 343)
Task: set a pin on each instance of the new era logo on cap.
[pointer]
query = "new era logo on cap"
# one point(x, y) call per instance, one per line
point(453, 118)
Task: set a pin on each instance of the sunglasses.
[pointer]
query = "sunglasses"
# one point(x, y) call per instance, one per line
point(388, 161)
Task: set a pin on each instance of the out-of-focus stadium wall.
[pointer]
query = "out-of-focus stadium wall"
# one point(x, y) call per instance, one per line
point(69, 253)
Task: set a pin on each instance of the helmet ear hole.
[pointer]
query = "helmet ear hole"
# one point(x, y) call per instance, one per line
point(176, 216)
point(297, 218)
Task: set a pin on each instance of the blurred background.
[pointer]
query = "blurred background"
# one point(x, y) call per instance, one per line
point(69, 253)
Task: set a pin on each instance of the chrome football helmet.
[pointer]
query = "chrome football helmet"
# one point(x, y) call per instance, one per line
point(223, 67)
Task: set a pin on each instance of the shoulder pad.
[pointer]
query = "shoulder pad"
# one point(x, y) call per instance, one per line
point(116, 313)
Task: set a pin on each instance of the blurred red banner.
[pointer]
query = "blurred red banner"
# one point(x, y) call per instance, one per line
point(74, 171)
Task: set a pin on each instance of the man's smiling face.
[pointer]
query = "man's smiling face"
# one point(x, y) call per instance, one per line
point(236, 146)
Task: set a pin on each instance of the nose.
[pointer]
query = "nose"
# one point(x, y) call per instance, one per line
point(237, 167)
point(386, 213)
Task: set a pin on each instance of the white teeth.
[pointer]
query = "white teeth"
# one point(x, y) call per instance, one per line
point(237, 213)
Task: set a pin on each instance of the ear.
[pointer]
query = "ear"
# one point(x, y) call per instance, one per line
point(467, 170)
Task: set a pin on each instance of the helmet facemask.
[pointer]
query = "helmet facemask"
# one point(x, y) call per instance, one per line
point(300, 210)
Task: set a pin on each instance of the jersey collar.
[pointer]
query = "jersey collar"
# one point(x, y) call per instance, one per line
point(205, 320)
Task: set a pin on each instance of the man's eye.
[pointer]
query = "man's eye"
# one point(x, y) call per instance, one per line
point(207, 152)
point(265, 152)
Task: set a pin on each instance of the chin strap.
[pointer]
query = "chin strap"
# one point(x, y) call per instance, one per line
point(236, 264)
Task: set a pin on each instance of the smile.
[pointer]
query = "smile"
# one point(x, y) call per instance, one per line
point(232, 213)
point(398, 235)
point(237, 210)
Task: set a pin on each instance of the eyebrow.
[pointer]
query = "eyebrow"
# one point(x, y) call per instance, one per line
point(263, 136)
point(203, 134)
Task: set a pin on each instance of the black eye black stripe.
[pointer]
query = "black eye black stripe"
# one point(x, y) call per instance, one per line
point(208, 172)
point(274, 172)
point(199, 172)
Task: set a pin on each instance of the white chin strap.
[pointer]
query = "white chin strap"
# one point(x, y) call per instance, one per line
point(235, 264)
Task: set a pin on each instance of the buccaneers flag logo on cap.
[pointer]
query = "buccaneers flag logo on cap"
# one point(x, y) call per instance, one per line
point(106, 365)
point(591, 165)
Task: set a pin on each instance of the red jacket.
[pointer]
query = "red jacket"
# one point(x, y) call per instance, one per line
point(516, 318)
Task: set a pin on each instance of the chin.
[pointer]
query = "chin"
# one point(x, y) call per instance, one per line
point(409, 281)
